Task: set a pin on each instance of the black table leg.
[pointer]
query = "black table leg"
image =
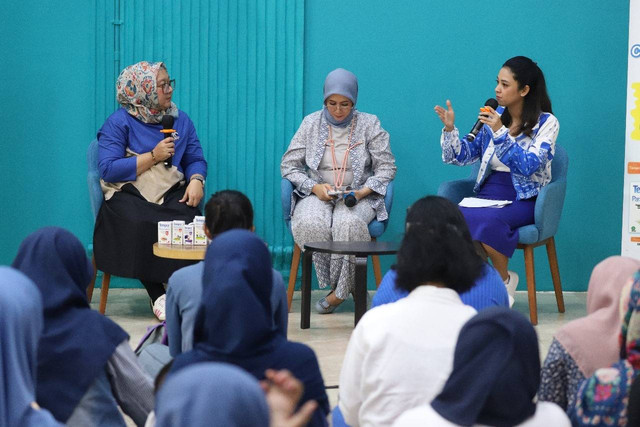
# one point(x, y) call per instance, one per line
point(305, 288)
point(360, 295)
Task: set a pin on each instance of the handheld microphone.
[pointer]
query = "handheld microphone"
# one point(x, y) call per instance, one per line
point(350, 198)
point(491, 102)
point(167, 125)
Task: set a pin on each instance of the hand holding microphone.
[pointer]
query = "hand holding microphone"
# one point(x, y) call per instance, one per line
point(167, 125)
point(489, 116)
point(164, 150)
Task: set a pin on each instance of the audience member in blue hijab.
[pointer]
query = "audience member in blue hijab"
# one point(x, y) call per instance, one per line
point(235, 322)
point(84, 359)
point(20, 329)
point(211, 394)
point(495, 378)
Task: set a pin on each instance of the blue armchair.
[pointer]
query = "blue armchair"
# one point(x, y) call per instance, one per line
point(376, 228)
point(547, 218)
point(96, 198)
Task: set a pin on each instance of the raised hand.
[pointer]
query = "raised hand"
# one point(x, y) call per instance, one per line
point(446, 116)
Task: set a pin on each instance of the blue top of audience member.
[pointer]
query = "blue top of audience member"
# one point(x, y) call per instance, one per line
point(488, 291)
point(76, 341)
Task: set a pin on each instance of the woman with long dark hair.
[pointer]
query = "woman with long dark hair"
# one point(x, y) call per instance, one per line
point(400, 355)
point(515, 149)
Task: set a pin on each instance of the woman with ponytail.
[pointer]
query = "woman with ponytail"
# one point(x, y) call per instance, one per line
point(400, 355)
point(515, 149)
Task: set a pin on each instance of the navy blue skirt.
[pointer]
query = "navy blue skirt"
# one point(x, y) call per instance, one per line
point(498, 227)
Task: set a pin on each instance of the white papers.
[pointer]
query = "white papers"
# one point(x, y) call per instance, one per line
point(474, 202)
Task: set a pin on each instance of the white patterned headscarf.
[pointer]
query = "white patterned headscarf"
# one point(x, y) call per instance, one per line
point(136, 90)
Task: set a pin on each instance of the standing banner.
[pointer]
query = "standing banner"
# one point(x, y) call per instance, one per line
point(631, 205)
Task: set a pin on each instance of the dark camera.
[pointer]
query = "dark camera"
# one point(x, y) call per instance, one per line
point(350, 198)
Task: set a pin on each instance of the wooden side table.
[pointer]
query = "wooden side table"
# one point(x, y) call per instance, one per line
point(189, 252)
point(361, 250)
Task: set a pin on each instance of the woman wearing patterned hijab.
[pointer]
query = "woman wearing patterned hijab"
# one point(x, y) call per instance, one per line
point(337, 148)
point(603, 398)
point(20, 329)
point(146, 176)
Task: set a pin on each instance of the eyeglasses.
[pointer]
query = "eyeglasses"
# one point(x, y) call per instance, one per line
point(168, 87)
point(336, 107)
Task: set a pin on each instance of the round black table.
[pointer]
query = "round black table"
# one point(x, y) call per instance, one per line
point(361, 250)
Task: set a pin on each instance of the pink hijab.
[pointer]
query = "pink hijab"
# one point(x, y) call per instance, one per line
point(592, 340)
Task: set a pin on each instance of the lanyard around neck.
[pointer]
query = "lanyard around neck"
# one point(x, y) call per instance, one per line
point(339, 173)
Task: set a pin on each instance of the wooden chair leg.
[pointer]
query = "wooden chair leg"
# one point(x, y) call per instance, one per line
point(104, 291)
point(531, 283)
point(93, 279)
point(293, 274)
point(555, 272)
point(377, 272)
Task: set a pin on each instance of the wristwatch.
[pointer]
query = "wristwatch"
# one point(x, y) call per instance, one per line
point(199, 179)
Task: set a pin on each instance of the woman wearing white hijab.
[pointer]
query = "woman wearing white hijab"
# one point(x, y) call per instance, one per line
point(20, 329)
point(335, 149)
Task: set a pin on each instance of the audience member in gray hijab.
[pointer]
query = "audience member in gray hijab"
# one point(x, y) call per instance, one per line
point(20, 329)
point(337, 149)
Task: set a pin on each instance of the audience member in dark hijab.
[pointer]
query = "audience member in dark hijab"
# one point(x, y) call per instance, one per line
point(20, 328)
point(495, 377)
point(235, 321)
point(84, 359)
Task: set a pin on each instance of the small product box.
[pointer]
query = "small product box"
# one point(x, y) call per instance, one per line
point(188, 234)
point(199, 238)
point(164, 232)
point(177, 232)
point(198, 220)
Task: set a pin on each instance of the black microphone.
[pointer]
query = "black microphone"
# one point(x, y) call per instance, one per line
point(167, 125)
point(491, 102)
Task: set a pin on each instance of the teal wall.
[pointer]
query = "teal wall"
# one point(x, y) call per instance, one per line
point(247, 71)
point(47, 94)
point(410, 56)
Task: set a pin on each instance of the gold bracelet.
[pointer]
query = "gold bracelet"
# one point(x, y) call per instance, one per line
point(153, 158)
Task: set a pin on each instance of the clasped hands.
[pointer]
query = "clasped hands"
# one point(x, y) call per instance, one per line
point(322, 192)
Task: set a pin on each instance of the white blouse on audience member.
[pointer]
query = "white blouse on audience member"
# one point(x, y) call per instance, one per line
point(400, 355)
point(547, 415)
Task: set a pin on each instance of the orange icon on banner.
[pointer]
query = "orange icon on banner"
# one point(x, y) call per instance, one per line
point(633, 168)
point(635, 113)
point(635, 239)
